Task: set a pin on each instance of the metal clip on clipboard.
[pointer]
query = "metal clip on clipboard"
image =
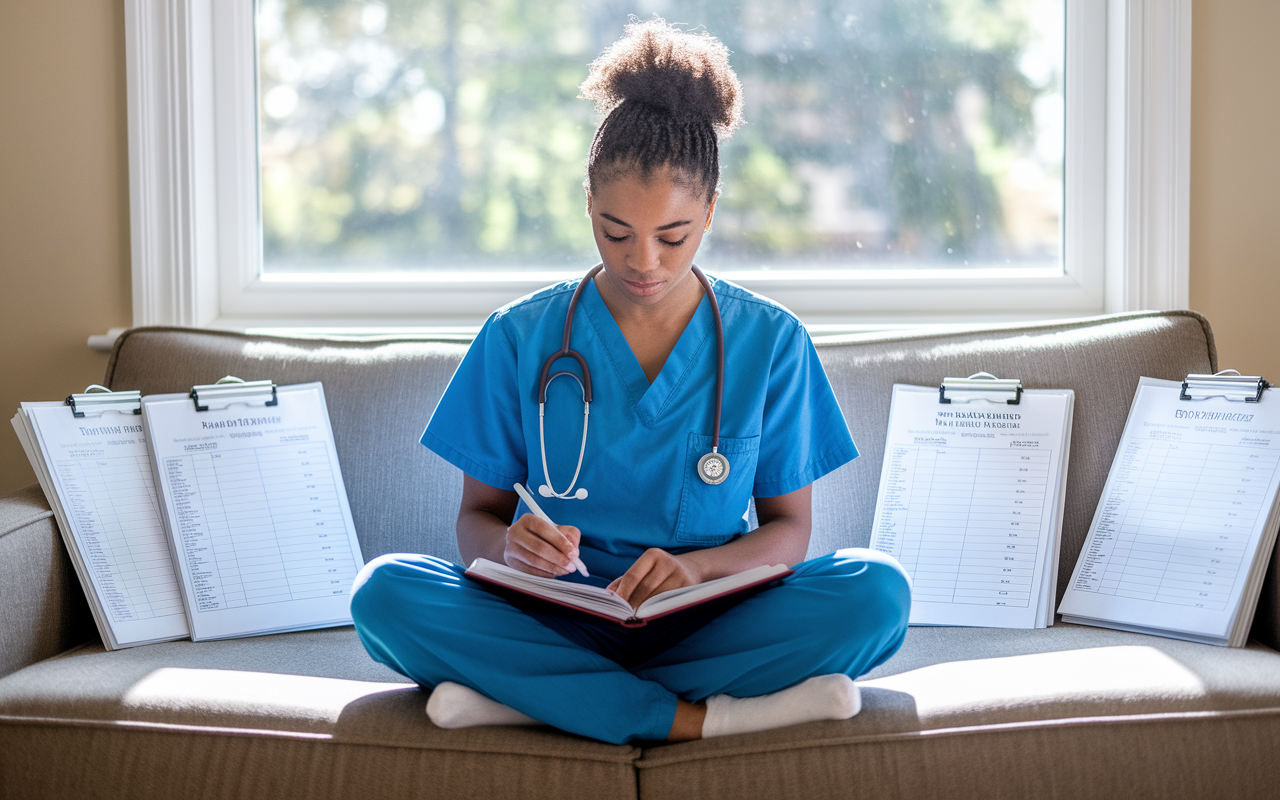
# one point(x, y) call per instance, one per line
point(230, 390)
point(97, 400)
point(981, 386)
point(1228, 384)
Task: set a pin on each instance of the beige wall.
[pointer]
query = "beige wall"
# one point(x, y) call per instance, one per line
point(1235, 179)
point(64, 202)
point(64, 223)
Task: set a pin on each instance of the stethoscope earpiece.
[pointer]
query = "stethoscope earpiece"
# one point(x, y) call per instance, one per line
point(547, 491)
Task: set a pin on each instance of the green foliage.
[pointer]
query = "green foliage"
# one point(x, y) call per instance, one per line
point(436, 133)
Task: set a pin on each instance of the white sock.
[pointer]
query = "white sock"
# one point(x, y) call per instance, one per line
point(820, 697)
point(453, 705)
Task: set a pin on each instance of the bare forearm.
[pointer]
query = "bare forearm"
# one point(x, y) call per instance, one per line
point(780, 541)
point(782, 538)
point(481, 535)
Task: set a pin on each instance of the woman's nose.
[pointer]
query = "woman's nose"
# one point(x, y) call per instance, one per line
point(645, 254)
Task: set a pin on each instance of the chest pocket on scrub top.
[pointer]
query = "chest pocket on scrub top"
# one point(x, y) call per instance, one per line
point(712, 515)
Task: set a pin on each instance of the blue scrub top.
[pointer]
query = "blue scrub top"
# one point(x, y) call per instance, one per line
point(781, 426)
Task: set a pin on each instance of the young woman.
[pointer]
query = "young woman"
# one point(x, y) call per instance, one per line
point(651, 488)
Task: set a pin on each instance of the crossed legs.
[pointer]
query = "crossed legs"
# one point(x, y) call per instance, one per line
point(840, 614)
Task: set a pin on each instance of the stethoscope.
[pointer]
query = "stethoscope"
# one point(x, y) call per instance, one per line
point(713, 467)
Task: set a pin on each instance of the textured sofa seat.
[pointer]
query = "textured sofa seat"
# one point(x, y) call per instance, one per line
point(1069, 711)
point(1070, 694)
point(1065, 712)
point(305, 715)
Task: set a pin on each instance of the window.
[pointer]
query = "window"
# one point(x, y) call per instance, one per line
point(418, 163)
point(881, 135)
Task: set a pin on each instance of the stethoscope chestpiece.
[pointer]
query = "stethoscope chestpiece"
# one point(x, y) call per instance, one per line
point(713, 468)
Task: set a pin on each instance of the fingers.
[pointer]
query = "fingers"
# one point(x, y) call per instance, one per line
point(626, 583)
point(645, 577)
point(654, 581)
point(540, 548)
point(572, 537)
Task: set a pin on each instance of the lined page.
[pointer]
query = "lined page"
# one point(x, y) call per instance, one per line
point(101, 473)
point(969, 504)
point(1183, 514)
point(257, 511)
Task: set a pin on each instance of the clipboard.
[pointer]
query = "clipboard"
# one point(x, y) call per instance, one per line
point(1181, 538)
point(90, 456)
point(971, 498)
point(255, 507)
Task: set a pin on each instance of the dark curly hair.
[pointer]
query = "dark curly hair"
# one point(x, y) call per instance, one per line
point(667, 96)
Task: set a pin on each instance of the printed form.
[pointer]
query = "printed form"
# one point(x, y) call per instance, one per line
point(970, 504)
point(1182, 518)
point(100, 469)
point(257, 512)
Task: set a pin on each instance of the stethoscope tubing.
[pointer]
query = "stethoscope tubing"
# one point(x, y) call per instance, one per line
point(715, 309)
point(545, 377)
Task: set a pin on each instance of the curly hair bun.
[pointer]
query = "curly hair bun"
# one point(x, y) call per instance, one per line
point(660, 65)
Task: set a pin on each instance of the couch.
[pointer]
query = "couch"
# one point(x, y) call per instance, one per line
point(1068, 711)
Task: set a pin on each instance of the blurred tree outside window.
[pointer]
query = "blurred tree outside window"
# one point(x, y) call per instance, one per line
point(409, 135)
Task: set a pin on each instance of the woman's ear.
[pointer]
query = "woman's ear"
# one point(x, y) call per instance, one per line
point(588, 205)
point(711, 210)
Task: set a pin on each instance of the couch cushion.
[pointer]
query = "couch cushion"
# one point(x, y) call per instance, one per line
point(953, 695)
point(299, 715)
point(1070, 711)
point(44, 611)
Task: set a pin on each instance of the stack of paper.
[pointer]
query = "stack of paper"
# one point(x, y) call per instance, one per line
point(1181, 538)
point(970, 503)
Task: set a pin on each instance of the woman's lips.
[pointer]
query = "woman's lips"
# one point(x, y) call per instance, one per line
point(643, 289)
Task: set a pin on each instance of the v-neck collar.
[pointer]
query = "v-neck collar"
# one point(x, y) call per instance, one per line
point(649, 399)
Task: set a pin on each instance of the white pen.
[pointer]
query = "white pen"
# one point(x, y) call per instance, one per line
point(542, 515)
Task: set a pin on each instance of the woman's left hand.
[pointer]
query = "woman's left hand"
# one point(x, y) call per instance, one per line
point(655, 571)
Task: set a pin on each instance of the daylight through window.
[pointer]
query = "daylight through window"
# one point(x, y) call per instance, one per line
point(415, 135)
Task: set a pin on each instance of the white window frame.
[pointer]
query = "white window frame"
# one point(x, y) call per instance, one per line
point(196, 235)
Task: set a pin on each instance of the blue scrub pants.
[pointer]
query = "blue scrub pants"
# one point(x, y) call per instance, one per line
point(845, 612)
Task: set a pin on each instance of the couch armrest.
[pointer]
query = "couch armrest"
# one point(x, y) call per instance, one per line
point(1266, 621)
point(42, 608)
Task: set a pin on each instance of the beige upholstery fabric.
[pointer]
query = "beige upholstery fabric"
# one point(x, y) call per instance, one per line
point(42, 609)
point(295, 715)
point(951, 697)
point(1070, 711)
point(1169, 757)
point(131, 763)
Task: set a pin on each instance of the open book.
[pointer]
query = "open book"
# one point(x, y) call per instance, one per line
point(602, 603)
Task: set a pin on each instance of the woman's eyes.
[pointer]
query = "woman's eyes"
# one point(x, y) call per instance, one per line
point(624, 238)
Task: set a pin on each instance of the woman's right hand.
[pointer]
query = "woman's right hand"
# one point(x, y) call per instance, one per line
point(539, 548)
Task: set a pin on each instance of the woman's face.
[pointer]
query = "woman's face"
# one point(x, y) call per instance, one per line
point(647, 233)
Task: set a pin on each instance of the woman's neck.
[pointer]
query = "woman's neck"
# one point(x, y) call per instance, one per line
point(652, 331)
